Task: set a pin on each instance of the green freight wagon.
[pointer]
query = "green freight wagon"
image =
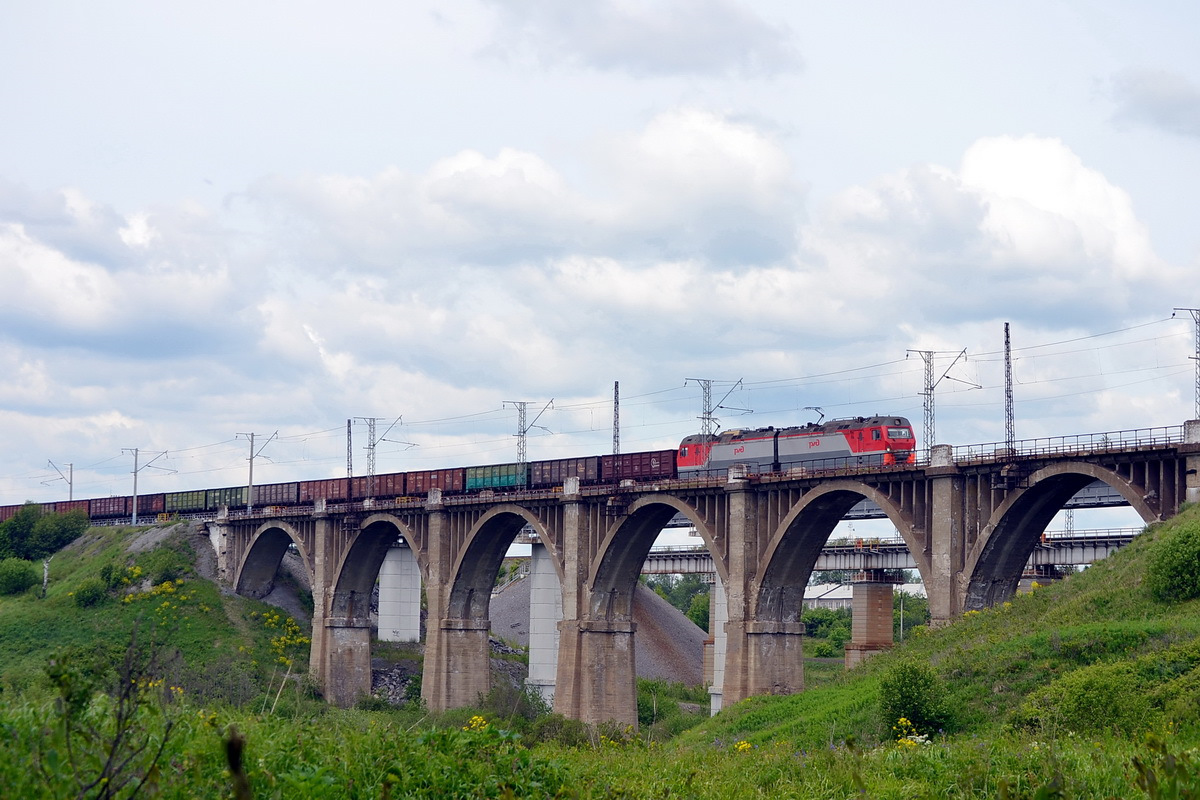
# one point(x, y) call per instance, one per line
point(497, 476)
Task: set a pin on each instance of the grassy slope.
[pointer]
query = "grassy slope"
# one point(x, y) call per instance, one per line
point(222, 642)
point(769, 746)
point(988, 663)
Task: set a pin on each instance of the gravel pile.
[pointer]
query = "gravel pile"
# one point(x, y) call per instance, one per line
point(667, 645)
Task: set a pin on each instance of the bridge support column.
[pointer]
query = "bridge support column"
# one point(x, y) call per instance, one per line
point(457, 668)
point(597, 679)
point(457, 661)
point(323, 579)
point(347, 659)
point(399, 596)
point(1191, 435)
point(718, 617)
point(219, 538)
point(871, 626)
point(772, 659)
point(946, 586)
point(545, 612)
point(761, 656)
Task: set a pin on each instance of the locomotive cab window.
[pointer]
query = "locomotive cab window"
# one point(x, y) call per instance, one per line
point(683, 452)
point(899, 433)
point(876, 434)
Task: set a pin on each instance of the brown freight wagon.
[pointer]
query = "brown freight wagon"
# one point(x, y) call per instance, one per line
point(152, 503)
point(8, 512)
point(100, 507)
point(277, 494)
point(638, 466)
point(388, 485)
point(544, 474)
point(328, 489)
point(448, 480)
point(66, 506)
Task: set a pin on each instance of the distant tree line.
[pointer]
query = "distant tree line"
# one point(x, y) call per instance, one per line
point(30, 535)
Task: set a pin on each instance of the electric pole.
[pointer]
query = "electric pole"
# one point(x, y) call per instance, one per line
point(250, 480)
point(372, 441)
point(616, 418)
point(1010, 429)
point(136, 470)
point(522, 428)
point(1195, 312)
point(930, 385)
point(69, 478)
point(709, 422)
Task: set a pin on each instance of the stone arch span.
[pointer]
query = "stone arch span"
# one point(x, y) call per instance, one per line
point(256, 572)
point(359, 567)
point(796, 544)
point(994, 564)
point(478, 563)
point(614, 574)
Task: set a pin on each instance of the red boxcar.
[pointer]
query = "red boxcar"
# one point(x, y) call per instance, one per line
point(448, 480)
point(328, 489)
point(8, 512)
point(638, 466)
point(389, 485)
point(552, 473)
point(64, 506)
point(101, 507)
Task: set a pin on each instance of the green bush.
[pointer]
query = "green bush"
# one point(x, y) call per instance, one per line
point(16, 575)
point(90, 592)
point(1091, 699)
point(823, 649)
point(1173, 574)
point(910, 689)
point(562, 730)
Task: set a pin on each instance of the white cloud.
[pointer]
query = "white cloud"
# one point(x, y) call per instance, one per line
point(666, 37)
point(1158, 98)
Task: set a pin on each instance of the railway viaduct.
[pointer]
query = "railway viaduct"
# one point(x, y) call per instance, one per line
point(970, 517)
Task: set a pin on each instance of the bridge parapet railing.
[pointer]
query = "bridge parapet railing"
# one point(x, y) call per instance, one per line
point(1077, 444)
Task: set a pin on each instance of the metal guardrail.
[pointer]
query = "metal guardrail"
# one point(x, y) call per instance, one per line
point(1083, 443)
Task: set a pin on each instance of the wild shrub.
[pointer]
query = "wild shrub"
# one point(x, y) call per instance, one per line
point(1173, 574)
point(90, 592)
point(1099, 697)
point(168, 562)
point(910, 689)
point(16, 576)
point(823, 649)
point(559, 729)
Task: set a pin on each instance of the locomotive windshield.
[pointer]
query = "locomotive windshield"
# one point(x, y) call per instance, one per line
point(899, 433)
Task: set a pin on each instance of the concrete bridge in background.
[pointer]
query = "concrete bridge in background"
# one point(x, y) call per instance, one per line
point(970, 517)
point(1074, 548)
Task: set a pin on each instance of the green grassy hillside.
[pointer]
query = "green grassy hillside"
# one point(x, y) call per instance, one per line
point(1089, 687)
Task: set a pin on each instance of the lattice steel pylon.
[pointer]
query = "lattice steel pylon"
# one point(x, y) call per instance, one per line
point(708, 423)
point(1195, 312)
point(616, 418)
point(930, 385)
point(522, 428)
point(1010, 428)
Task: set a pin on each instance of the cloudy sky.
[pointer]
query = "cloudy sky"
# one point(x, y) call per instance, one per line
point(225, 218)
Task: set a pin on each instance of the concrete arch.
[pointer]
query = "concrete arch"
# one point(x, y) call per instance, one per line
point(355, 575)
point(994, 564)
point(420, 552)
point(613, 576)
point(477, 564)
point(256, 573)
point(796, 544)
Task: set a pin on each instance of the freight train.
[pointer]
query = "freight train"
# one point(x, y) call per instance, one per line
point(835, 444)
